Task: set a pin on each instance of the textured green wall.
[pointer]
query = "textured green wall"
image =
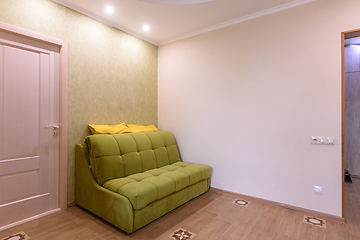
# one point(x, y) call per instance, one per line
point(112, 75)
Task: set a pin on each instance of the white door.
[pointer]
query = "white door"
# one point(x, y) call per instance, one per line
point(29, 146)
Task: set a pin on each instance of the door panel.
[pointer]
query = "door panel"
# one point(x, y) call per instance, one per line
point(21, 85)
point(29, 152)
point(19, 210)
point(44, 131)
point(20, 186)
point(19, 165)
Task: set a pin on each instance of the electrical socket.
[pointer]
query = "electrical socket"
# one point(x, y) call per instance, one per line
point(318, 190)
point(322, 140)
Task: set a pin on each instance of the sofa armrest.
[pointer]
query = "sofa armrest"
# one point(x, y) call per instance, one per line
point(112, 207)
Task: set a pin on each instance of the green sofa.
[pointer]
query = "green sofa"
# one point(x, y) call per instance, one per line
point(132, 179)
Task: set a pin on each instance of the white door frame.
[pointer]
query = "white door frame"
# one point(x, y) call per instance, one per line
point(63, 46)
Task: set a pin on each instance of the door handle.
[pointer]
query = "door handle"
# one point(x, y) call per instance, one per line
point(54, 127)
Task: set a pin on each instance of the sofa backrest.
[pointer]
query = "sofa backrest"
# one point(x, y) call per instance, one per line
point(120, 155)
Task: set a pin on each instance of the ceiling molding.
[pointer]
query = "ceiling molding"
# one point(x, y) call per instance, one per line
point(283, 7)
point(176, 2)
point(103, 20)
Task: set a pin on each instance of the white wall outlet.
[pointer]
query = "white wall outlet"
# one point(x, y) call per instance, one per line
point(322, 140)
point(318, 190)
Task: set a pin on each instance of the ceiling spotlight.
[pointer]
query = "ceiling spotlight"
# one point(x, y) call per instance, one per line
point(146, 28)
point(109, 9)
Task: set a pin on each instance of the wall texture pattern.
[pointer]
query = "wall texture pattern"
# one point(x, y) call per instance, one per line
point(112, 75)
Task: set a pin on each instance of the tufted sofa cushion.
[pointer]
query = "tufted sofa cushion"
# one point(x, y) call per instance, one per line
point(144, 188)
point(120, 155)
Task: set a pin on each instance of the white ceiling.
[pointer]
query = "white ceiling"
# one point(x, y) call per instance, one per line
point(170, 23)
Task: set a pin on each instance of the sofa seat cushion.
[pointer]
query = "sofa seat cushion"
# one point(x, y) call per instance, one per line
point(144, 188)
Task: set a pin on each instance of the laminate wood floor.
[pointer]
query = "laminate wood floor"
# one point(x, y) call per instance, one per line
point(210, 216)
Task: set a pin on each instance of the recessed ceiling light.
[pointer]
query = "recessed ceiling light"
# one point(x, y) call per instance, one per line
point(146, 28)
point(109, 9)
point(176, 2)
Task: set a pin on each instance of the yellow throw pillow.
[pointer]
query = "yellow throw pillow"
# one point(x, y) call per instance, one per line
point(133, 128)
point(108, 129)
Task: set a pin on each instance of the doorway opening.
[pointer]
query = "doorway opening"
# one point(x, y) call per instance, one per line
point(350, 121)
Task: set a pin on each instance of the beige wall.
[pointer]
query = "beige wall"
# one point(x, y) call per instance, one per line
point(112, 75)
point(246, 99)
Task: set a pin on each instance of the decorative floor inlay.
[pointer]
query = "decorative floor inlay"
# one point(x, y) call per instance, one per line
point(182, 234)
point(315, 221)
point(17, 236)
point(241, 202)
